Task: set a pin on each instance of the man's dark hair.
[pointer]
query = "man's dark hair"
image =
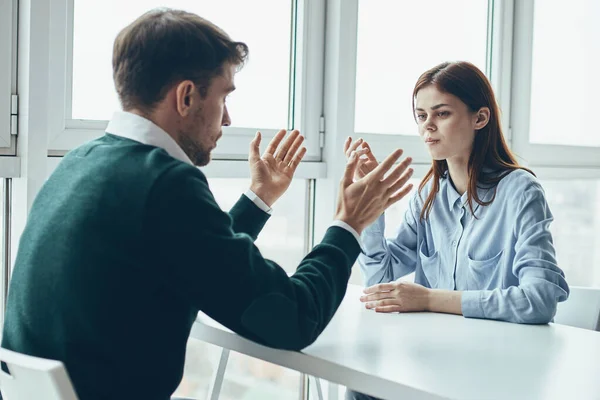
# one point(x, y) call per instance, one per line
point(164, 47)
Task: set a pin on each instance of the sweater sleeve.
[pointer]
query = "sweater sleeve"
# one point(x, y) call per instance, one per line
point(223, 273)
point(247, 217)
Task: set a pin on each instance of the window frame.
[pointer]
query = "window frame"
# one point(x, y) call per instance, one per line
point(544, 155)
point(8, 74)
point(307, 51)
point(5, 244)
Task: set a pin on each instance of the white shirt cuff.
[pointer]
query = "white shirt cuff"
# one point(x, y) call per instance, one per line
point(257, 200)
point(350, 229)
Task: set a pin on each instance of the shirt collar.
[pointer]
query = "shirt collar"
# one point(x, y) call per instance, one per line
point(134, 127)
point(452, 196)
point(455, 199)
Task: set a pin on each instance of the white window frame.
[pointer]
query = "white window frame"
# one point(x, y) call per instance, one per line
point(536, 154)
point(558, 173)
point(67, 133)
point(8, 63)
point(499, 60)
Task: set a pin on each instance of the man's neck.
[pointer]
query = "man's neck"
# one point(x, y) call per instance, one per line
point(159, 119)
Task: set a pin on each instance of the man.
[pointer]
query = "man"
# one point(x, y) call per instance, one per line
point(125, 242)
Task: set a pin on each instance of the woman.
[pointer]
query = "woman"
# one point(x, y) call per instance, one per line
point(476, 233)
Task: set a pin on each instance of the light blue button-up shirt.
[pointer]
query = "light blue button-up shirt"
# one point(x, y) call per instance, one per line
point(502, 258)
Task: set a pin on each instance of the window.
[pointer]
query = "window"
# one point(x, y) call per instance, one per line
point(553, 83)
point(564, 76)
point(273, 89)
point(283, 240)
point(267, 72)
point(575, 204)
point(397, 42)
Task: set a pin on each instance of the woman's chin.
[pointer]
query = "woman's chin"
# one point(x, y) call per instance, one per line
point(437, 156)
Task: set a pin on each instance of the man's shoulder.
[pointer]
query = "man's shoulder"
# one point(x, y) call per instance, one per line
point(118, 156)
point(119, 171)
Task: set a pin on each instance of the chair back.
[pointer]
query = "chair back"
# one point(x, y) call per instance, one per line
point(581, 309)
point(34, 378)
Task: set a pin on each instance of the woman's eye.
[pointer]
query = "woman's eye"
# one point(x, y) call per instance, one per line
point(421, 117)
point(443, 114)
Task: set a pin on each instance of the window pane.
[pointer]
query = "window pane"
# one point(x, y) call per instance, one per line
point(282, 240)
point(564, 77)
point(575, 205)
point(261, 100)
point(397, 42)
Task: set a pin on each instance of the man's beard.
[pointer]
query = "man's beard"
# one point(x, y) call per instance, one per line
point(194, 150)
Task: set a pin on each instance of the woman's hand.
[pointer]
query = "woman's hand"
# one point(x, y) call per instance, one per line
point(367, 161)
point(396, 297)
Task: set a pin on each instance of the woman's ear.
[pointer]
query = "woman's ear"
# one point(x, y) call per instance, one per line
point(483, 117)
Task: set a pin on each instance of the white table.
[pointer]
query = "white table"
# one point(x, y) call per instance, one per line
point(434, 356)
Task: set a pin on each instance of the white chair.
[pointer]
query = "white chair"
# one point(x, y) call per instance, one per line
point(581, 309)
point(33, 378)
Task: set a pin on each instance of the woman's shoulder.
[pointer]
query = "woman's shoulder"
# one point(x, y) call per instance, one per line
point(519, 182)
point(519, 178)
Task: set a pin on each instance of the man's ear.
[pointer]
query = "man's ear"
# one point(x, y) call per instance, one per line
point(184, 97)
point(483, 117)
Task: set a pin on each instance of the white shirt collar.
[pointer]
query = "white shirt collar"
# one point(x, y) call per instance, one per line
point(140, 129)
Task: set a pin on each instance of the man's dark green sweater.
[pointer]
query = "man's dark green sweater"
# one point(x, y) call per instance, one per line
point(124, 244)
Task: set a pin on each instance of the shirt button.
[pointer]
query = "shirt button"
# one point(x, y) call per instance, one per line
point(454, 243)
